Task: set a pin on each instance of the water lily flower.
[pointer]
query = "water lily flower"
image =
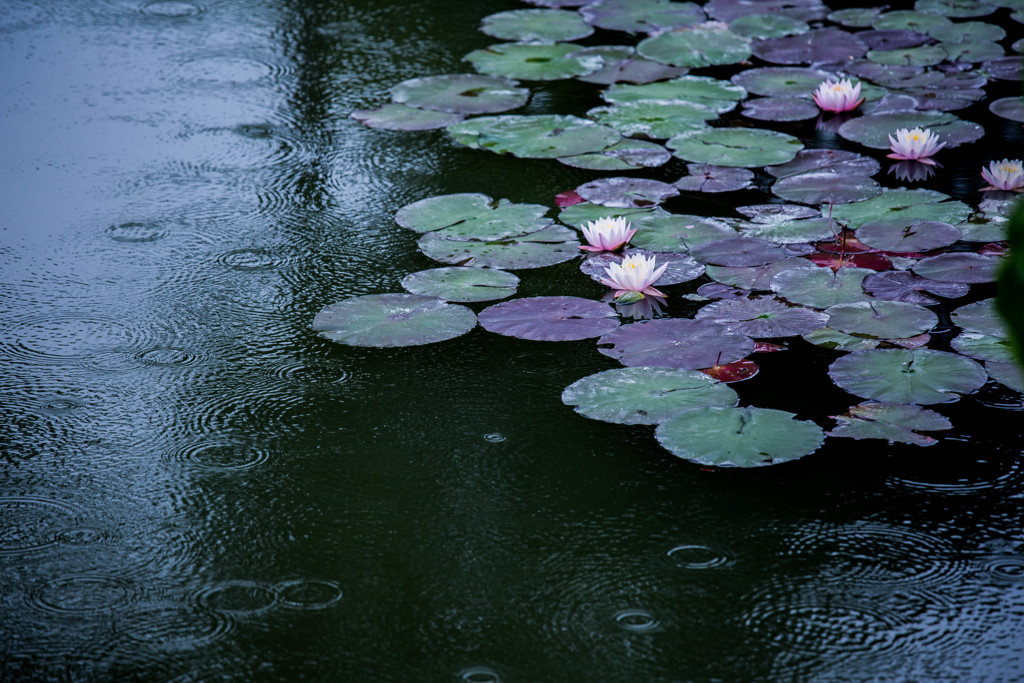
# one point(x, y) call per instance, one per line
point(607, 234)
point(632, 279)
point(839, 96)
point(915, 144)
point(1004, 175)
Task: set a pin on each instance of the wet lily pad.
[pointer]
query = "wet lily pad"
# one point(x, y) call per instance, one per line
point(393, 116)
point(580, 214)
point(745, 147)
point(980, 316)
point(624, 155)
point(721, 96)
point(893, 38)
point(737, 371)
point(904, 235)
point(644, 395)
point(626, 193)
point(660, 119)
point(756, 277)
point(777, 213)
point(984, 347)
point(434, 213)
point(707, 178)
point(874, 130)
point(782, 81)
point(462, 284)
point(630, 69)
point(826, 187)
point(923, 55)
point(881, 319)
point(681, 267)
point(1010, 374)
point(762, 316)
point(385, 320)
point(975, 51)
point(895, 423)
point(536, 25)
point(545, 136)
point(730, 10)
point(533, 61)
point(677, 232)
point(907, 19)
point(855, 17)
point(504, 220)
point(738, 251)
point(967, 31)
point(641, 16)
point(675, 343)
point(901, 203)
point(791, 232)
point(921, 376)
point(550, 318)
point(957, 9)
point(958, 267)
point(1010, 108)
point(826, 160)
point(779, 109)
point(767, 26)
point(820, 46)
point(554, 244)
point(463, 94)
point(707, 44)
point(739, 437)
point(902, 285)
point(821, 287)
point(1006, 68)
point(827, 338)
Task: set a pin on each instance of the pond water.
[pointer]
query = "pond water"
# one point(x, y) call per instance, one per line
point(195, 486)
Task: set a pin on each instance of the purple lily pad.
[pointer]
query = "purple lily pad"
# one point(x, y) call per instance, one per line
point(630, 69)
point(388, 320)
point(757, 277)
point(962, 267)
point(902, 285)
point(1010, 108)
point(681, 267)
point(706, 178)
point(738, 251)
point(893, 38)
point(782, 81)
point(763, 316)
point(779, 109)
point(1005, 68)
point(626, 193)
point(625, 155)
point(906, 235)
point(826, 187)
point(821, 160)
point(393, 116)
point(822, 46)
point(550, 318)
point(776, 213)
point(895, 423)
point(675, 343)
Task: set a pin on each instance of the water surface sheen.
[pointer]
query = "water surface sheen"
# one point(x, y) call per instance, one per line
point(194, 486)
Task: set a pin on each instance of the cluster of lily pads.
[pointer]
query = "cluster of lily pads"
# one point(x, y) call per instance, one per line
point(836, 260)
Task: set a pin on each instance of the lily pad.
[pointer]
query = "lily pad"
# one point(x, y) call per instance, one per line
point(583, 213)
point(544, 136)
point(893, 38)
point(874, 130)
point(921, 376)
point(536, 25)
point(836, 161)
point(791, 232)
point(707, 178)
point(923, 55)
point(820, 46)
point(533, 61)
point(644, 395)
point(675, 343)
point(738, 251)
point(677, 232)
point(963, 267)
point(779, 109)
point(434, 213)
point(681, 267)
point(756, 277)
point(550, 318)
point(767, 26)
point(905, 235)
point(782, 81)
point(385, 320)
point(967, 31)
point(463, 94)
point(504, 220)
point(821, 287)
point(625, 155)
point(762, 316)
point(393, 116)
point(901, 285)
point(856, 17)
point(975, 51)
point(739, 437)
point(721, 96)
point(554, 244)
point(641, 16)
point(630, 69)
point(984, 347)
point(1009, 374)
point(745, 147)
point(1010, 108)
point(462, 284)
point(881, 319)
point(730, 10)
point(826, 187)
point(907, 19)
point(895, 423)
point(773, 214)
point(957, 9)
point(701, 45)
point(901, 203)
point(737, 371)
point(827, 338)
point(980, 316)
point(626, 193)
point(660, 119)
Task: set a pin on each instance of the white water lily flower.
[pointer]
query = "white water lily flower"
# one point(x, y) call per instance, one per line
point(636, 273)
point(607, 234)
point(1004, 175)
point(915, 144)
point(838, 96)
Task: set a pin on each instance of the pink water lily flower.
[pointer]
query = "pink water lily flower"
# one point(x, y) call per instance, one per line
point(607, 234)
point(1004, 175)
point(838, 96)
point(915, 144)
point(635, 274)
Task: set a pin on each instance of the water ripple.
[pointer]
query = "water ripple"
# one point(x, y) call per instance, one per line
point(170, 9)
point(219, 454)
point(31, 523)
point(693, 556)
point(308, 594)
point(238, 597)
point(78, 594)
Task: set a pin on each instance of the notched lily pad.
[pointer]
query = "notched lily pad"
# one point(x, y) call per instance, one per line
point(625, 155)
point(641, 16)
point(738, 251)
point(782, 81)
point(820, 46)
point(533, 61)
point(676, 343)
point(762, 316)
point(907, 235)
point(550, 318)
point(921, 376)
point(984, 347)
point(659, 119)
point(644, 395)
point(779, 109)
point(901, 203)
point(626, 193)
point(739, 437)
point(881, 319)
point(536, 25)
point(721, 96)
point(895, 423)
point(745, 147)
point(767, 26)
point(980, 316)
point(434, 213)
point(821, 287)
point(663, 232)
point(386, 320)
point(554, 244)
point(902, 285)
point(462, 94)
point(707, 178)
point(462, 284)
point(874, 130)
point(393, 116)
point(544, 136)
point(799, 231)
point(961, 266)
point(707, 44)
point(756, 277)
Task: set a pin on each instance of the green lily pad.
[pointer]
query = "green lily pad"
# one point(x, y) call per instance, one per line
point(826, 187)
point(827, 338)
point(554, 244)
point(873, 130)
point(730, 10)
point(707, 44)
point(461, 94)
point(904, 235)
point(762, 316)
point(821, 287)
point(906, 19)
point(393, 116)
point(1009, 374)
point(385, 320)
point(835, 161)
point(627, 69)
point(579, 215)
point(643, 395)
point(921, 376)
point(890, 422)
point(544, 136)
point(739, 437)
point(624, 155)
point(984, 347)
point(901, 203)
point(536, 25)
point(677, 232)
point(973, 51)
point(957, 9)
point(434, 213)
point(924, 55)
point(767, 26)
point(967, 32)
point(660, 119)
point(505, 220)
point(641, 16)
point(738, 251)
point(855, 17)
point(533, 61)
point(980, 316)
point(744, 147)
point(783, 81)
point(462, 284)
point(881, 319)
point(902, 285)
point(960, 266)
point(756, 277)
point(721, 96)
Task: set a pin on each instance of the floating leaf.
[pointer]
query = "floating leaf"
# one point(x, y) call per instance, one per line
point(400, 117)
point(874, 130)
point(835, 161)
point(706, 178)
point(554, 244)
point(384, 320)
point(906, 19)
point(1006, 68)
point(762, 316)
point(720, 96)
point(967, 31)
point(958, 267)
point(660, 119)
point(707, 44)
point(730, 10)
point(827, 338)
point(550, 318)
point(581, 214)
point(756, 277)
point(677, 232)
point(746, 147)
point(434, 213)
point(779, 109)
point(983, 347)
point(461, 94)
point(1010, 108)
point(504, 220)
point(462, 284)
point(536, 25)
point(645, 395)
point(737, 371)
point(791, 232)
point(893, 38)
point(739, 437)
point(904, 286)
point(976, 51)
point(545, 136)
point(680, 267)
point(895, 423)
point(856, 17)
point(981, 316)
point(958, 9)
point(773, 214)
point(767, 26)
point(533, 61)
point(901, 203)
point(624, 155)
point(821, 287)
point(820, 46)
point(1010, 374)
point(782, 81)
point(905, 235)
point(921, 376)
point(738, 251)
point(626, 193)
point(881, 319)
point(826, 187)
point(641, 16)
point(924, 55)
point(675, 343)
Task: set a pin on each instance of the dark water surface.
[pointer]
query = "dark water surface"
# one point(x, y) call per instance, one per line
point(194, 486)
